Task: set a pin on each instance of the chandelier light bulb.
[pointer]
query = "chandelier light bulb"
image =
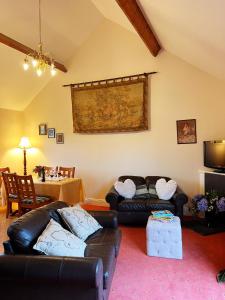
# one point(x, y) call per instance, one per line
point(34, 62)
point(25, 64)
point(39, 72)
point(53, 72)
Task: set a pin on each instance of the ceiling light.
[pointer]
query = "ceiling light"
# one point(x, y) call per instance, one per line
point(25, 64)
point(53, 69)
point(39, 60)
point(34, 62)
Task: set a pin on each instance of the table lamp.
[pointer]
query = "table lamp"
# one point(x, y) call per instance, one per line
point(24, 144)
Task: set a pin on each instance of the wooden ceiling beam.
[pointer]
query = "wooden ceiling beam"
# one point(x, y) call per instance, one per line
point(27, 50)
point(138, 20)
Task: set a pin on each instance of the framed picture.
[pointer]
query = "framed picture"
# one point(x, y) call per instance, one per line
point(51, 133)
point(43, 129)
point(186, 131)
point(59, 138)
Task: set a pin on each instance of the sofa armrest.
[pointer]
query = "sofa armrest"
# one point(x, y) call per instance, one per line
point(87, 272)
point(113, 198)
point(179, 199)
point(8, 248)
point(105, 218)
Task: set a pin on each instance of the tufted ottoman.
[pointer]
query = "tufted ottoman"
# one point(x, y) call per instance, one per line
point(164, 239)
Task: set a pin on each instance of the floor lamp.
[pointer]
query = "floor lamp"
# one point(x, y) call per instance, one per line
point(24, 144)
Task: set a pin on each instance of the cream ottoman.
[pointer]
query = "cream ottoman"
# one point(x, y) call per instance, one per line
point(164, 239)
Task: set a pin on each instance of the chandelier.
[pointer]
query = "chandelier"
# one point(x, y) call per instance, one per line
point(39, 60)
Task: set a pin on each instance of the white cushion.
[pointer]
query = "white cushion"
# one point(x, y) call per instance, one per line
point(165, 190)
point(80, 222)
point(57, 241)
point(126, 189)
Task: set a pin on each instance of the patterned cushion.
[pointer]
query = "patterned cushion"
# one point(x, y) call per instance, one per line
point(152, 191)
point(57, 241)
point(79, 221)
point(39, 199)
point(141, 192)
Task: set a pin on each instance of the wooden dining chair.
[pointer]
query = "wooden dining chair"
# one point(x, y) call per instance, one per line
point(67, 172)
point(11, 190)
point(48, 170)
point(2, 170)
point(28, 199)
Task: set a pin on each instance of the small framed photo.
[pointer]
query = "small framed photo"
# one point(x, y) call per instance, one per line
point(43, 129)
point(186, 131)
point(59, 138)
point(51, 133)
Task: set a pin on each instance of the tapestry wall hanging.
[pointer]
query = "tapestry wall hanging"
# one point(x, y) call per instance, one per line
point(111, 105)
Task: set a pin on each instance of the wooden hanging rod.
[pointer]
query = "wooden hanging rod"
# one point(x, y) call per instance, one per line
point(109, 80)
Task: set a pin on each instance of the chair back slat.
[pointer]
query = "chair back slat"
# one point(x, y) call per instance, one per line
point(3, 170)
point(67, 172)
point(49, 170)
point(9, 180)
point(26, 188)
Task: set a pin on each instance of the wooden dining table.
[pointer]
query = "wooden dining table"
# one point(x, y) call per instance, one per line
point(69, 190)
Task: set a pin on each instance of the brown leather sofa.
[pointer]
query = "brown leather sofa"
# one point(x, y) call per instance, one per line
point(26, 274)
point(137, 210)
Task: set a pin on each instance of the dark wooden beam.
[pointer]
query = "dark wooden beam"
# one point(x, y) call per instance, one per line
point(138, 20)
point(27, 50)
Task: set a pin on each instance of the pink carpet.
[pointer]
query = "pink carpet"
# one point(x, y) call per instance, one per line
point(140, 277)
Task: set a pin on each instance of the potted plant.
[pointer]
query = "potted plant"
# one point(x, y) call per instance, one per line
point(211, 204)
point(40, 170)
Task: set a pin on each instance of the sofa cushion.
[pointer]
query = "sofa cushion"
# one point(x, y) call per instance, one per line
point(79, 221)
point(141, 192)
point(138, 180)
point(165, 189)
point(152, 179)
point(158, 204)
point(106, 236)
point(57, 241)
point(152, 191)
point(132, 205)
point(107, 254)
point(24, 232)
point(126, 189)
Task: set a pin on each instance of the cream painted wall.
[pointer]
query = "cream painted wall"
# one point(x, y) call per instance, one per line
point(10, 134)
point(178, 91)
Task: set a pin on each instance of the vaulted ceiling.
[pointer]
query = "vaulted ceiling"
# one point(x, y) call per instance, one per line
point(66, 25)
point(193, 30)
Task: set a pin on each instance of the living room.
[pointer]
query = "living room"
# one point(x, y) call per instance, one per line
point(188, 84)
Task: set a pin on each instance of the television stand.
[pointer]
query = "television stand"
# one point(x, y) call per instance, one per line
point(211, 180)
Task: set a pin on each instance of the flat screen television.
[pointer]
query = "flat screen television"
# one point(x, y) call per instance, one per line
point(214, 155)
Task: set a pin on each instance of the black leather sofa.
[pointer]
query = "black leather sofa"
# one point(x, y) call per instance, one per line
point(137, 210)
point(26, 274)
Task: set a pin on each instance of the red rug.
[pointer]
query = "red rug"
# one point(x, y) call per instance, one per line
point(94, 207)
point(140, 277)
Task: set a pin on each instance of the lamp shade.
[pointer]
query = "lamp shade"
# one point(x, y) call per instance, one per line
point(24, 143)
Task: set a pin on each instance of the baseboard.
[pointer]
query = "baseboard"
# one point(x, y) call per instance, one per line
point(94, 201)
